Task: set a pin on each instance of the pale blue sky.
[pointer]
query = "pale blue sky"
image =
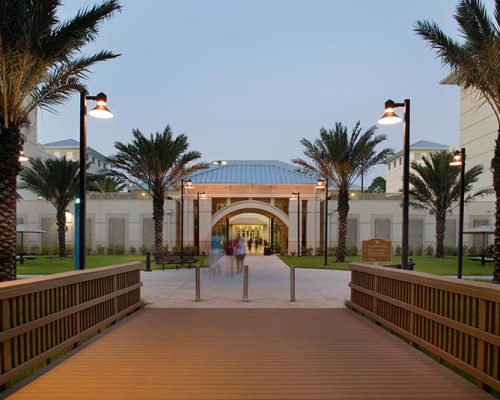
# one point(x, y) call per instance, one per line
point(249, 79)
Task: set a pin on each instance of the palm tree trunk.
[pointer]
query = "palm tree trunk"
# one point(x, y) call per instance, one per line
point(495, 167)
point(440, 229)
point(343, 210)
point(9, 168)
point(158, 213)
point(61, 231)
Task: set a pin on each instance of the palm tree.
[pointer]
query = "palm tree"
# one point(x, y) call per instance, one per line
point(155, 164)
point(436, 187)
point(341, 159)
point(105, 183)
point(56, 180)
point(475, 64)
point(40, 66)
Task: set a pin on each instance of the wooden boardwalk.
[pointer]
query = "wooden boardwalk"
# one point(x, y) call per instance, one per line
point(249, 354)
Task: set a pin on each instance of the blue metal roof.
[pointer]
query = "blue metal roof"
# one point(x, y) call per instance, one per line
point(64, 143)
point(425, 144)
point(253, 171)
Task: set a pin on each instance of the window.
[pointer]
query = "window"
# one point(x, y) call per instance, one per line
point(400, 160)
point(394, 164)
point(389, 166)
point(98, 163)
point(93, 160)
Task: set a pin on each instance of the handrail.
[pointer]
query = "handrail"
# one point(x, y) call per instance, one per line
point(42, 316)
point(456, 320)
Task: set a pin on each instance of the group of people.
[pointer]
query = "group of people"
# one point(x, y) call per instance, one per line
point(235, 248)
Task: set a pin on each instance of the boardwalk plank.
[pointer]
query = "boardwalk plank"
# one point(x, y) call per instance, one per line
point(249, 354)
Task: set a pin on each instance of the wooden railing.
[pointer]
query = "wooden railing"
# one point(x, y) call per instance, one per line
point(40, 317)
point(456, 320)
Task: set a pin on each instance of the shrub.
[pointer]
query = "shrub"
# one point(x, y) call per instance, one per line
point(306, 251)
point(332, 250)
point(100, 250)
point(472, 251)
point(411, 252)
point(351, 251)
point(397, 251)
point(165, 248)
point(319, 251)
point(35, 249)
point(450, 251)
point(69, 250)
point(465, 250)
point(45, 250)
point(89, 250)
point(132, 250)
point(110, 250)
point(21, 249)
point(419, 250)
point(429, 251)
point(293, 253)
point(143, 249)
point(119, 250)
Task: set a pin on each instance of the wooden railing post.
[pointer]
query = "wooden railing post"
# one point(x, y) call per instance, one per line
point(6, 345)
point(481, 345)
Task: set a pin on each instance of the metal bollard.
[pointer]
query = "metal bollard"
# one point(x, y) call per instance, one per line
point(292, 283)
point(148, 262)
point(245, 283)
point(411, 264)
point(197, 279)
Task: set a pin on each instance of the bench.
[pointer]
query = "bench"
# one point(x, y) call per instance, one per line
point(174, 259)
point(487, 256)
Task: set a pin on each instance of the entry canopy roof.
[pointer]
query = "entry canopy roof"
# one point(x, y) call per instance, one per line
point(253, 172)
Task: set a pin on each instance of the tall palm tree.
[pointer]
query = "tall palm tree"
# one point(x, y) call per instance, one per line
point(475, 64)
point(56, 180)
point(155, 164)
point(40, 66)
point(436, 187)
point(341, 158)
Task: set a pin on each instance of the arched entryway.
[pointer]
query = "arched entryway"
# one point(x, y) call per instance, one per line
point(259, 224)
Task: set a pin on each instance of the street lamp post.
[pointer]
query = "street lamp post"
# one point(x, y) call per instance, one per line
point(390, 118)
point(99, 111)
point(296, 195)
point(185, 184)
point(202, 196)
point(459, 160)
point(324, 185)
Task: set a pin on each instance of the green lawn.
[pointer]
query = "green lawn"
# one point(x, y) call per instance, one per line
point(44, 265)
point(438, 266)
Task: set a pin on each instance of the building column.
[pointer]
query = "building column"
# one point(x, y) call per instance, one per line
point(205, 225)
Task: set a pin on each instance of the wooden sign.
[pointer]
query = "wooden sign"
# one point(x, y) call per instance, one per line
point(376, 249)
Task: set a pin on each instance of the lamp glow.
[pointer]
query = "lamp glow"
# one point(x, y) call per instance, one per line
point(389, 117)
point(100, 110)
point(457, 159)
point(188, 184)
point(22, 157)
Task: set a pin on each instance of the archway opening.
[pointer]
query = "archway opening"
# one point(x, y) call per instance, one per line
point(259, 229)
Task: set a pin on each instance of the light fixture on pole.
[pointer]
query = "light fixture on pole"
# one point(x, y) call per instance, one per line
point(323, 184)
point(99, 111)
point(22, 157)
point(296, 195)
point(459, 160)
point(390, 118)
point(219, 162)
point(199, 196)
point(185, 184)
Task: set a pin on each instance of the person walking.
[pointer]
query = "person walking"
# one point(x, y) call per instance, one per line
point(239, 252)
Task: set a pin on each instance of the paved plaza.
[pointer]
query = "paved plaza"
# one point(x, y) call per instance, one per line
point(269, 286)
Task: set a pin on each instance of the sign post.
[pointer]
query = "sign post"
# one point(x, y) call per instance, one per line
point(376, 249)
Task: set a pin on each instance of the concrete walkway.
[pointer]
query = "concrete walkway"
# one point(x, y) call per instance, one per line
point(269, 286)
